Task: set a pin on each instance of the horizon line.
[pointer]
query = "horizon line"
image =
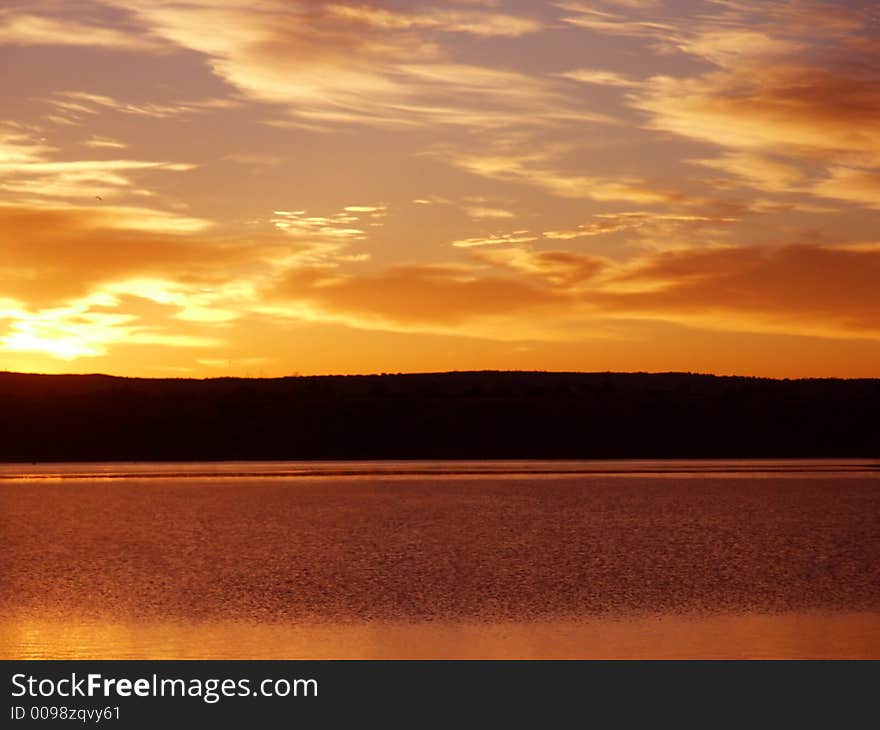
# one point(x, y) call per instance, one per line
point(295, 375)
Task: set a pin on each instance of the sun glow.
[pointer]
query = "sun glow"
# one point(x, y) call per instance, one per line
point(63, 347)
point(66, 333)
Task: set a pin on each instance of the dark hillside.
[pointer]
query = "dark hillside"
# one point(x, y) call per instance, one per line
point(436, 416)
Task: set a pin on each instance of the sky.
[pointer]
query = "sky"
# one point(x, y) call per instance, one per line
point(202, 188)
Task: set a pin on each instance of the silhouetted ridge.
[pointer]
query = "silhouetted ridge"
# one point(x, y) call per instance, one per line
point(468, 415)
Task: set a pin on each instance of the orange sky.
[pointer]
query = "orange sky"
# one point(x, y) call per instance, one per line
point(266, 187)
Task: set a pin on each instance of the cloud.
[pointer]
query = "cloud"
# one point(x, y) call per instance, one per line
point(30, 168)
point(478, 208)
point(254, 160)
point(797, 289)
point(790, 87)
point(565, 269)
point(599, 77)
point(642, 222)
point(74, 331)
point(328, 236)
point(77, 107)
point(53, 254)
point(802, 289)
point(787, 77)
point(496, 238)
point(22, 28)
point(538, 169)
point(796, 110)
point(297, 223)
point(851, 185)
point(721, 32)
point(582, 15)
point(75, 282)
point(486, 213)
point(449, 21)
point(440, 299)
point(77, 179)
point(105, 143)
point(758, 171)
point(330, 64)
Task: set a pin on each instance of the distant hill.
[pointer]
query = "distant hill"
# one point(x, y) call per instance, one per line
point(467, 415)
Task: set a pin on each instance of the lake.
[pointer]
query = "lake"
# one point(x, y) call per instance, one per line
point(629, 559)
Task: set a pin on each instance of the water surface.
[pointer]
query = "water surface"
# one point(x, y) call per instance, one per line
point(420, 559)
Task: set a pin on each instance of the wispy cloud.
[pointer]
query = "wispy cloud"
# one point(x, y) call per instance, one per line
point(30, 168)
point(600, 77)
point(328, 236)
point(344, 63)
point(105, 143)
point(80, 107)
point(474, 22)
point(496, 238)
point(855, 185)
point(20, 26)
point(538, 169)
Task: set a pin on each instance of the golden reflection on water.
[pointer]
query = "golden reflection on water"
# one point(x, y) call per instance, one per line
point(786, 636)
point(452, 560)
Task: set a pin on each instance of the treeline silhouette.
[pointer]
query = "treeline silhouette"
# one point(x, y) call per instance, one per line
point(462, 415)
